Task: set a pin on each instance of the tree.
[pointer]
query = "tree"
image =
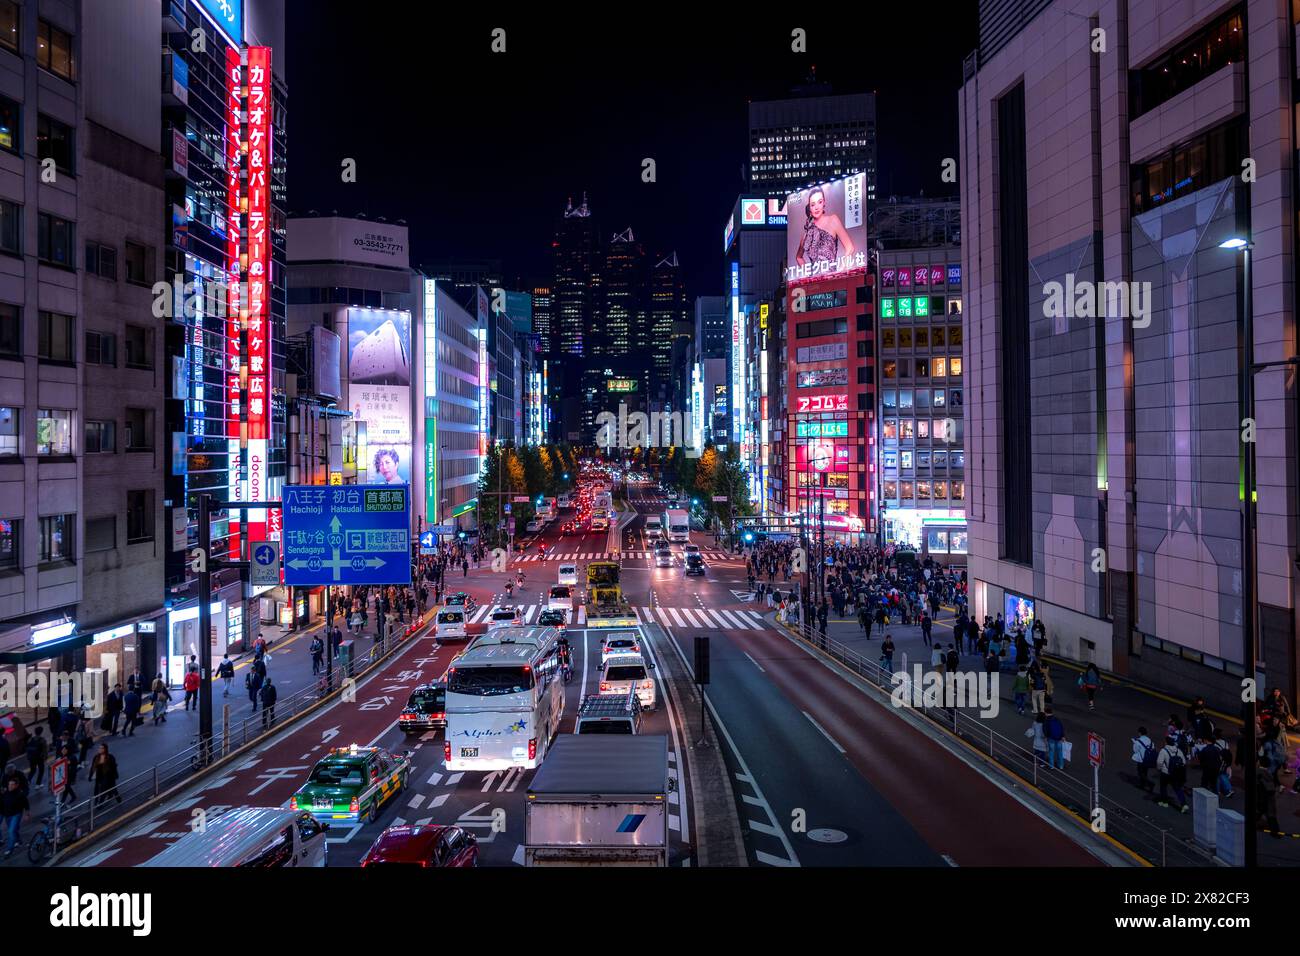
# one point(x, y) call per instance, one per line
point(706, 475)
point(489, 503)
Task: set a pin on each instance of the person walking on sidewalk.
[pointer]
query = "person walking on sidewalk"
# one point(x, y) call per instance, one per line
point(887, 654)
point(131, 711)
point(69, 795)
point(1090, 681)
point(112, 710)
point(84, 737)
point(1210, 761)
point(269, 694)
point(253, 681)
point(1266, 806)
point(103, 775)
point(317, 655)
point(926, 626)
point(1054, 731)
point(936, 658)
point(1144, 758)
point(38, 749)
point(191, 685)
point(1036, 732)
point(14, 808)
point(226, 671)
point(161, 698)
point(1020, 688)
point(1172, 765)
point(952, 660)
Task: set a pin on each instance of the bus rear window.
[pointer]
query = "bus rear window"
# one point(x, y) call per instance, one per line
point(489, 681)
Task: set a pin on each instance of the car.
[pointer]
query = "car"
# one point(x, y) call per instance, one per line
point(426, 709)
point(568, 574)
point(504, 615)
point(694, 564)
point(461, 599)
point(692, 549)
point(560, 597)
point(619, 642)
point(352, 783)
point(624, 673)
point(553, 617)
point(663, 557)
point(450, 623)
point(427, 846)
point(533, 526)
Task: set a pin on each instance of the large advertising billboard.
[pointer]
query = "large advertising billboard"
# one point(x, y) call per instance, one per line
point(826, 230)
point(379, 390)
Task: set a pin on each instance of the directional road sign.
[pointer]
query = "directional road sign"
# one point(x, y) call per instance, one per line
point(347, 534)
point(264, 568)
point(428, 542)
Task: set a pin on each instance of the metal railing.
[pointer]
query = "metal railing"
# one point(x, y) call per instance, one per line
point(81, 819)
point(1155, 844)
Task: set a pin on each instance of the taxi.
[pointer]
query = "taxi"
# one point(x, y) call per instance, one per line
point(352, 783)
point(460, 599)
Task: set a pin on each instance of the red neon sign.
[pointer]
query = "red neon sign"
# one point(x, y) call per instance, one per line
point(259, 240)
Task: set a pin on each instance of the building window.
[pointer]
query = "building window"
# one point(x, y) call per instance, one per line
point(11, 233)
point(101, 260)
point(139, 430)
point(101, 534)
point(54, 141)
point(56, 538)
point(139, 263)
point(54, 240)
point(1208, 158)
point(56, 340)
point(53, 431)
point(11, 138)
point(9, 22)
point(9, 435)
point(139, 516)
point(11, 330)
point(101, 437)
point(139, 351)
point(101, 348)
point(1207, 52)
point(54, 50)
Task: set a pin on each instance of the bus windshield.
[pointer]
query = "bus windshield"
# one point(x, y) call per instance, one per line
point(489, 681)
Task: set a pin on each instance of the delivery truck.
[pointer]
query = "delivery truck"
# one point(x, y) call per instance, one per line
point(599, 800)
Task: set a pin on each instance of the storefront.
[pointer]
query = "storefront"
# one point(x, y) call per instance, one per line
point(934, 532)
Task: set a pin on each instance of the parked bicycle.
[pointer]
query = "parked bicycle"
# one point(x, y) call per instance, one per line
point(44, 845)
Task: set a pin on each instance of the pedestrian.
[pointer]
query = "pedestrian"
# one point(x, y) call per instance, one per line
point(317, 654)
point(936, 658)
point(84, 737)
point(191, 685)
point(926, 626)
point(69, 794)
point(1172, 764)
point(1090, 681)
point(193, 665)
point(103, 775)
point(253, 681)
point(226, 671)
point(1266, 804)
point(1020, 688)
point(14, 808)
point(268, 694)
point(112, 710)
point(887, 654)
point(1144, 758)
point(1054, 731)
point(131, 711)
point(161, 698)
point(953, 660)
point(37, 751)
point(1039, 736)
point(1210, 761)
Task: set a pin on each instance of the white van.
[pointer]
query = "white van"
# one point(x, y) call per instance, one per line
point(653, 524)
point(251, 836)
point(449, 624)
point(622, 673)
point(569, 574)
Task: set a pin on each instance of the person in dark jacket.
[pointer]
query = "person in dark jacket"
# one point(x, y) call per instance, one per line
point(103, 774)
point(269, 694)
point(112, 709)
point(13, 809)
point(952, 660)
point(38, 749)
point(67, 752)
point(253, 681)
point(131, 711)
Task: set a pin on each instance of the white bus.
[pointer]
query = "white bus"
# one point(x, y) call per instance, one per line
point(677, 525)
point(602, 503)
point(505, 699)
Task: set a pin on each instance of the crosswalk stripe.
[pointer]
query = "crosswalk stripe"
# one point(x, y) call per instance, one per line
point(758, 618)
point(582, 615)
point(717, 619)
point(733, 623)
point(673, 613)
point(644, 613)
point(690, 616)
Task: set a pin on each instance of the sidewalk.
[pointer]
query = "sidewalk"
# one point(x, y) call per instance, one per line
point(289, 668)
point(1121, 709)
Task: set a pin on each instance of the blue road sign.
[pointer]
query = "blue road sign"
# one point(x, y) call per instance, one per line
point(441, 529)
point(264, 569)
point(347, 534)
point(428, 542)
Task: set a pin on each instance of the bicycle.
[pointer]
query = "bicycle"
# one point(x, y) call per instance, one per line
point(43, 844)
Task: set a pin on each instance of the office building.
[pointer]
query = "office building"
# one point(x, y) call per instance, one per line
point(1106, 472)
point(812, 136)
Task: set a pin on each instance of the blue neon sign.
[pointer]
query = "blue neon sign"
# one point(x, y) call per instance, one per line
point(227, 16)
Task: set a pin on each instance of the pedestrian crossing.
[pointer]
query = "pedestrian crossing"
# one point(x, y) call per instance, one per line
point(688, 617)
point(630, 555)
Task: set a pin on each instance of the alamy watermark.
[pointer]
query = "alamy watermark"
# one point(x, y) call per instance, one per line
point(1085, 299)
point(645, 430)
point(37, 688)
point(968, 690)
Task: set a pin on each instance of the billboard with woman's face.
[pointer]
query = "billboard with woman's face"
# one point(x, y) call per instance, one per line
point(826, 230)
point(379, 390)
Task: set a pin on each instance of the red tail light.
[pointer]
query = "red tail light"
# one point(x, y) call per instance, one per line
point(354, 806)
point(603, 687)
point(446, 750)
point(439, 716)
point(532, 748)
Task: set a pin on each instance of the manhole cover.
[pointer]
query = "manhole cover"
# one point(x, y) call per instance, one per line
point(825, 835)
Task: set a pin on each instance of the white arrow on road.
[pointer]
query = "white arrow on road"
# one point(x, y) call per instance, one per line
point(489, 780)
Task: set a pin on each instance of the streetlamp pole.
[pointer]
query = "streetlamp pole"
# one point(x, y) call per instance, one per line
point(1249, 756)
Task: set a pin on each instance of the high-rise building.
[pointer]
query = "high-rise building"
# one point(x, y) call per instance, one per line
point(620, 324)
point(82, 448)
point(711, 331)
point(1114, 345)
point(810, 137)
point(576, 291)
point(667, 312)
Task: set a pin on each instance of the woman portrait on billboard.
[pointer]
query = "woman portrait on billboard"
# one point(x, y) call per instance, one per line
point(824, 236)
point(386, 462)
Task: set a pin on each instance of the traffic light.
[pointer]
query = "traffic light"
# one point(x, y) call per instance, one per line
point(749, 537)
point(694, 502)
point(461, 535)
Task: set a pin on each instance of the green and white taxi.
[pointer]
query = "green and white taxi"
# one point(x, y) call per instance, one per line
point(352, 783)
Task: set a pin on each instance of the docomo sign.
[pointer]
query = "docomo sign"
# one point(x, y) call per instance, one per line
point(822, 403)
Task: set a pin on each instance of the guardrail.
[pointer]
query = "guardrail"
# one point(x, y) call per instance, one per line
point(1153, 843)
point(82, 819)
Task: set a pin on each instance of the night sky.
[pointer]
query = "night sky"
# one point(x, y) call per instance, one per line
point(479, 152)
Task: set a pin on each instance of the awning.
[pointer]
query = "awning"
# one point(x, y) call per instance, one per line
point(39, 642)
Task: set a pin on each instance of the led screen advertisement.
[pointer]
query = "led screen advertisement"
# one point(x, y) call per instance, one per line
point(826, 231)
point(379, 390)
point(822, 455)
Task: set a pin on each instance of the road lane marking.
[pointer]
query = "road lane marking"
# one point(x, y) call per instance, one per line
point(754, 662)
point(434, 779)
point(771, 860)
point(813, 721)
point(415, 801)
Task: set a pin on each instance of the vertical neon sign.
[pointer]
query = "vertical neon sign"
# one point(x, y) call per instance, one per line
point(432, 509)
point(233, 321)
point(257, 283)
point(737, 359)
